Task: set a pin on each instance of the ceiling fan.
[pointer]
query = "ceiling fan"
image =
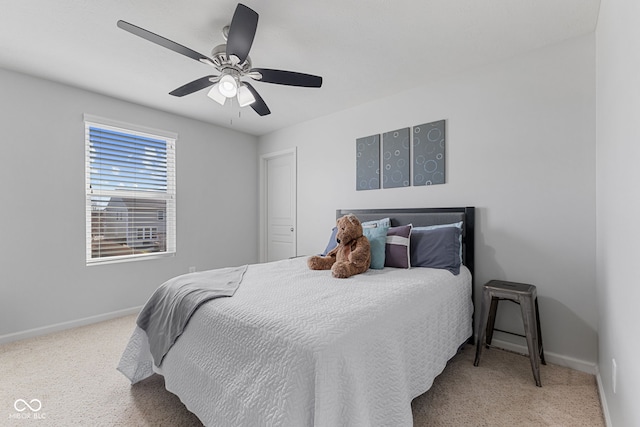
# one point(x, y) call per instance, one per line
point(232, 62)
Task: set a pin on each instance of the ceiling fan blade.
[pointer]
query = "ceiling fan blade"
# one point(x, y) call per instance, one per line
point(152, 37)
point(290, 78)
point(195, 86)
point(241, 32)
point(259, 106)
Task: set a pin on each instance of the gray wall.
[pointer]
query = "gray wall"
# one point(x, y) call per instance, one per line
point(520, 147)
point(618, 204)
point(43, 277)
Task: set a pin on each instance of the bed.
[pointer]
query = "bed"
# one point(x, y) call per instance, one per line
point(295, 347)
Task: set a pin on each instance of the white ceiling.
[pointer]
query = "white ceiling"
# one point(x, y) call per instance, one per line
point(364, 50)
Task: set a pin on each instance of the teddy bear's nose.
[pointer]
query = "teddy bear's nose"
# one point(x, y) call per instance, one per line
point(338, 240)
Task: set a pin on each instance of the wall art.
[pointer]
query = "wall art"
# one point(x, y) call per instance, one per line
point(429, 153)
point(395, 158)
point(368, 163)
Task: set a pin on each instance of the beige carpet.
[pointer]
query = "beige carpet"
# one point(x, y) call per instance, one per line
point(72, 375)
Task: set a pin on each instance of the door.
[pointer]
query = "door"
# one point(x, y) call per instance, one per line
point(278, 194)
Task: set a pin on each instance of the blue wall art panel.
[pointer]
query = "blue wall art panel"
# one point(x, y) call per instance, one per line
point(368, 163)
point(395, 159)
point(428, 153)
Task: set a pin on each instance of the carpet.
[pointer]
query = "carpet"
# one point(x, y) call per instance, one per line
point(69, 379)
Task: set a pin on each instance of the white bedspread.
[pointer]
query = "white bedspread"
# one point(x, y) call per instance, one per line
point(295, 347)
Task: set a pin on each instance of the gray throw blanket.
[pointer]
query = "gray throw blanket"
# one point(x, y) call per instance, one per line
point(169, 309)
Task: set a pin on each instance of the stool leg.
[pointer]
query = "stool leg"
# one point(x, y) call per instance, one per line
point(486, 299)
point(492, 319)
point(531, 332)
point(540, 346)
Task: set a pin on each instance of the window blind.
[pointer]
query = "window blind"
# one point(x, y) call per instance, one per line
point(130, 193)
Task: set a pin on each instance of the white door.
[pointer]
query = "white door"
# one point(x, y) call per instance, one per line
point(278, 195)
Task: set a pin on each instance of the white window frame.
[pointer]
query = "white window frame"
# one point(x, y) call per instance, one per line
point(169, 196)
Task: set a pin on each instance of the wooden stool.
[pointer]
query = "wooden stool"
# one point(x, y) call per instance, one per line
point(524, 295)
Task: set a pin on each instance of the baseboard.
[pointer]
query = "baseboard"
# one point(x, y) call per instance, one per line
point(30, 333)
point(556, 359)
point(603, 400)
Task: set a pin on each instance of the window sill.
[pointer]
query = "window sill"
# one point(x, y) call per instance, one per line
point(128, 258)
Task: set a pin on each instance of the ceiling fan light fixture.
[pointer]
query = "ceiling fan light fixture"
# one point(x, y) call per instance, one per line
point(245, 97)
point(216, 95)
point(228, 86)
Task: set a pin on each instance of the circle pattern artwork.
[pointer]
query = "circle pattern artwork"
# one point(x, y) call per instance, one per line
point(403, 157)
point(368, 163)
point(395, 154)
point(429, 153)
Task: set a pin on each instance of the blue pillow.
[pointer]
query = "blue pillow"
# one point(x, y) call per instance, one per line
point(433, 227)
point(384, 222)
point(377, 240)
point(332, 242)
point(436, 248)
point(453, 224)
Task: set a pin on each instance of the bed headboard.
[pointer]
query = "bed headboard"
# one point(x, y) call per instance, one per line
point(427, 216)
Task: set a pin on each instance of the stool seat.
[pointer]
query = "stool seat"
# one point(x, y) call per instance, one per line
point(526, 296)
point(511, 289)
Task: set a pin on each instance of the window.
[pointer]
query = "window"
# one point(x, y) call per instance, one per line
point(147, 233)
point(130, 191)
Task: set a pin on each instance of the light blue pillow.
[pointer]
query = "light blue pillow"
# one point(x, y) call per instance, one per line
point(384, 222)
point(377, 240)
point(435, 227)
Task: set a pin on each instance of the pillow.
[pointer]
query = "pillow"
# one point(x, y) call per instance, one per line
point(397, 247)
point(384, 222)
point(453, 224)
point(377, 240)
point(332, 242)
point(436, 248)
point(432, 227)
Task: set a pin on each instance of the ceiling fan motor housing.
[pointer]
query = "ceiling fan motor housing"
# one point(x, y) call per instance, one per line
point(222, 62)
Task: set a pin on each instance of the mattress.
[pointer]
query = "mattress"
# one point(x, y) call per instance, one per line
point(295, 347)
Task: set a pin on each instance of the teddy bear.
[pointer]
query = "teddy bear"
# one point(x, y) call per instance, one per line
point(351, 256)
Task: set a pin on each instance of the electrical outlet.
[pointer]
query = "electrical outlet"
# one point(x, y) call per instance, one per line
point(614, 375)
point(192, 269)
